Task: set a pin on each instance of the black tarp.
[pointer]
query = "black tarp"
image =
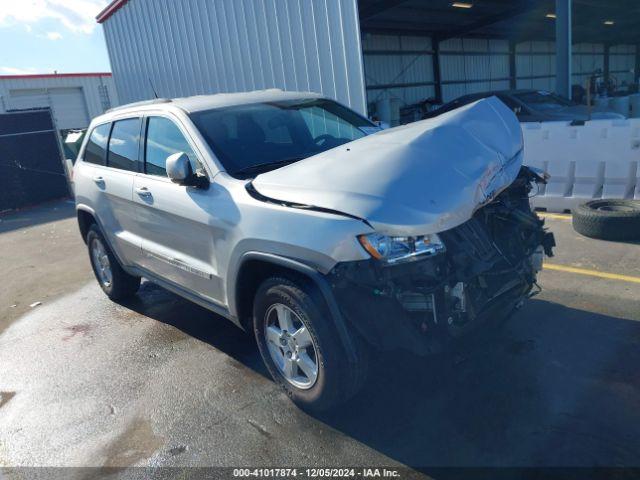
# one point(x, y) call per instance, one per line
point(30, 164)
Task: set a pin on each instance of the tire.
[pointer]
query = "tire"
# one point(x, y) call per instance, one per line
point(608, 219)
point(337, 378)
point(118, 285)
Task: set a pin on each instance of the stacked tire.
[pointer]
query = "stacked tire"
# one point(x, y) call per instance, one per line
point(608, 219)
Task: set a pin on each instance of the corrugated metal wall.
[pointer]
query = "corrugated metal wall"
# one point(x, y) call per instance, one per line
point(622, 62)
point(394, 60)
point(93, 88)
point(189, 47)
point(587, 58)
point(401, 67)
point(536, 65)
point(470, 65)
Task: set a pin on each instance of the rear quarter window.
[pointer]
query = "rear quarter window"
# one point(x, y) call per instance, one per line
point(96, 149)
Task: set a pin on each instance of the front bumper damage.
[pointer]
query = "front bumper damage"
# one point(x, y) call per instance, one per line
point(489, 268)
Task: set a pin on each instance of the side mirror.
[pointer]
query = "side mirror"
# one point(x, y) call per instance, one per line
point(178, 167)
point(179, 171)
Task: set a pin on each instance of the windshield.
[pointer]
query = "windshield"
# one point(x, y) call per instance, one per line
point(543, 100)
point(254, 138)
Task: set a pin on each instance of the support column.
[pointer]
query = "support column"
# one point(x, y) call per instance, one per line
point(563, 48)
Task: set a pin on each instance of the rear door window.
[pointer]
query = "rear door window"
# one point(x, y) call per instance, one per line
point(164, 138)
point(124, 144)
point(96, 149)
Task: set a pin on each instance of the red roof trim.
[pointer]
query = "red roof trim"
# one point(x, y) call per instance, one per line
point(110, 9)
point(58, 75)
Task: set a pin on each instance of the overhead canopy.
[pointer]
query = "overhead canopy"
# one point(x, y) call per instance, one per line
point(517, 20)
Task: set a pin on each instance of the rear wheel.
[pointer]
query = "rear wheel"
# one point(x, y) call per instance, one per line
point(112, 278)
point(608, 219)
point(300, 347)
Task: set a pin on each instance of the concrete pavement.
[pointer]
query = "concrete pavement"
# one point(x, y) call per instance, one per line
point(161, 382)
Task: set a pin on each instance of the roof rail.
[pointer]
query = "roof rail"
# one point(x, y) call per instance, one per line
point(139, 104)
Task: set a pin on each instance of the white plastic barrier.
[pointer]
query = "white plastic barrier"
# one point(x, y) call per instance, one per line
point(600, 159)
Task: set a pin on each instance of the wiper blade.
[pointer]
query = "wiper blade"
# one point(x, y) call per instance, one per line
point(266, 165)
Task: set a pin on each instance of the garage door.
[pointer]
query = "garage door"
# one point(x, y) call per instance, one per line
point(31, 98)
point(68, 104)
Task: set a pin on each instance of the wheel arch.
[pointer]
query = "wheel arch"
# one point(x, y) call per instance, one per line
point(255, 267)
point(86, 217)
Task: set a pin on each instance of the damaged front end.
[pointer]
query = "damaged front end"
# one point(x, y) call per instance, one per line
point(487, 267)
point(453, 240)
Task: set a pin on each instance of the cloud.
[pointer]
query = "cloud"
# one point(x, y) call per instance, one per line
point(77, 16)
point(17, 71)
point(53, 35)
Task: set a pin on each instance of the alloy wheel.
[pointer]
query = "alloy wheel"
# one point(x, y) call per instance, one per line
point(101, 262)
point(291, 346)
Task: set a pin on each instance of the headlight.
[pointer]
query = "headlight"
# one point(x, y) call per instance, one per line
point(400, 249)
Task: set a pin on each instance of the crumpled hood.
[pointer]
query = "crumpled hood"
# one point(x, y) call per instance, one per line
point(425, 177)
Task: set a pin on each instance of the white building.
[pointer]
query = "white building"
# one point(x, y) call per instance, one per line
point(362, 51)
point(74, 98)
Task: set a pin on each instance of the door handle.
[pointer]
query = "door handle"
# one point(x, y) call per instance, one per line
point(98, 179)
point(143, 191)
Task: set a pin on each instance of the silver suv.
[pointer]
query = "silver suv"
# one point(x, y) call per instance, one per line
point(297, 219)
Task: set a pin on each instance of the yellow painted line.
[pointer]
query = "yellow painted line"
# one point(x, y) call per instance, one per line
point(591, 273)
point(558, 216)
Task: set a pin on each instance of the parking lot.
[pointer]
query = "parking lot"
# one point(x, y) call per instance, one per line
point(162, 382)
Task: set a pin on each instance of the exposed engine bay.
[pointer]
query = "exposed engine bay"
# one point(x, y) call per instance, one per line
point(488, 269)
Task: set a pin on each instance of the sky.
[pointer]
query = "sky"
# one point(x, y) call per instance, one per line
point(43, 36)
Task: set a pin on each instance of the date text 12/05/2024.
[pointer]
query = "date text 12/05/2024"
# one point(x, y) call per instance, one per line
point(317, 472)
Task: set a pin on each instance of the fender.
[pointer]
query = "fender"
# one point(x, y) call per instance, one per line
point(86, 208)
point(320, 282)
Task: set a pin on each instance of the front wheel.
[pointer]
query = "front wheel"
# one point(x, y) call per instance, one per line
point(114, 281)
point(300, 347)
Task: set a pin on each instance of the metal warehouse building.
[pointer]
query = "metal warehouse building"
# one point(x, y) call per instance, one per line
point(74, 98)
point(362, 52)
